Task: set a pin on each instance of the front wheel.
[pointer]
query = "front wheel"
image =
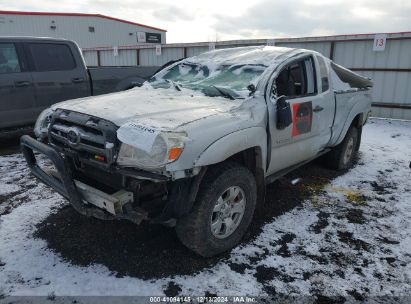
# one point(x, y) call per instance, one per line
point(222, 212)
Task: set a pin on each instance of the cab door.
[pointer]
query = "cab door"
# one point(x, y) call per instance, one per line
point(324, 107)
point(297, 81)
point(57, 75)
point(17, 102)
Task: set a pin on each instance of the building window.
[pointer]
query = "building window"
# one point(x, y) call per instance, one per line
point(91, 29)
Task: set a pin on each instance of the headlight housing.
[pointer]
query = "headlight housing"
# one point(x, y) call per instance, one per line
point(42, 123)
point(167, 147)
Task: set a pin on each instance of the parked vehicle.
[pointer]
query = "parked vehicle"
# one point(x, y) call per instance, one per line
point(38, 72)
point(195, 146)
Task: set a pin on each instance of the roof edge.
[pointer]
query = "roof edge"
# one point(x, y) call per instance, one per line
point(21, 13)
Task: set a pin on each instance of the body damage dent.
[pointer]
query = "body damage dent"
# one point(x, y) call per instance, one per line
point(233, 143)
point(203, 130)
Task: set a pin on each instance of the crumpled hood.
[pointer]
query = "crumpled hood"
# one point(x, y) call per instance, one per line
point(160, 108)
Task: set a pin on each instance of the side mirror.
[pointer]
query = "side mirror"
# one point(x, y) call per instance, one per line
point(251, 88)
point(284, 117)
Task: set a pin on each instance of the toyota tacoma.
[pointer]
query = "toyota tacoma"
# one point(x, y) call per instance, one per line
point(195, 145)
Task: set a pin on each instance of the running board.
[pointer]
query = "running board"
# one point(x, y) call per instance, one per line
point(273, 177)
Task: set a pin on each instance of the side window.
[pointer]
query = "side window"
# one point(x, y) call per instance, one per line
point(323, 74)
point(9, 62)
point(51, 57)
point(297, 79)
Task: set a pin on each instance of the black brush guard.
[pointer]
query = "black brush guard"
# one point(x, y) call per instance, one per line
point(66, 185)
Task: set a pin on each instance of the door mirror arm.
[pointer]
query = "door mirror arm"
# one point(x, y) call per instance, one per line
point(252, 89)
point(284, 116)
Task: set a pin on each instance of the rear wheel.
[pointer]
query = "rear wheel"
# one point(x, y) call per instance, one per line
point(341, 157)
point(222, 212)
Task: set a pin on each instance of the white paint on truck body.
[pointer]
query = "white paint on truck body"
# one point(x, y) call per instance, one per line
point(218, 127)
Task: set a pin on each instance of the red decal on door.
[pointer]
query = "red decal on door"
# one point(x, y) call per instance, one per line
point(302, 118)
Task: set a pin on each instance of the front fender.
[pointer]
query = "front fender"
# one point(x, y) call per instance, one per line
point(233, 143)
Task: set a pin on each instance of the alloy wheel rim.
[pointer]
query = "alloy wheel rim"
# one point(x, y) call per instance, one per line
point(349, 150)
point(228, 212)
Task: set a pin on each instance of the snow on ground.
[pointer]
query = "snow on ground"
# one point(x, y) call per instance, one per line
point(351, 239)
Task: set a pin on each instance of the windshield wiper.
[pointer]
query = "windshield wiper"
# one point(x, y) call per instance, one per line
point(176, 86)
point(223, 92)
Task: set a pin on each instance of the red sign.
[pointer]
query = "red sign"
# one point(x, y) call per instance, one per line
point(302, 118)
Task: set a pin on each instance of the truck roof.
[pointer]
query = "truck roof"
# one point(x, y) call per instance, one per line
point(272, 56)
point(32, 38)
point(260, 55)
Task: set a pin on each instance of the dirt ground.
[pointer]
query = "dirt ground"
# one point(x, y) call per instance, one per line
point(347, 252)
point(150, 251)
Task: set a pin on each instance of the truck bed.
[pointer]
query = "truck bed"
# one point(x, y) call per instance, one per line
point(345, 102)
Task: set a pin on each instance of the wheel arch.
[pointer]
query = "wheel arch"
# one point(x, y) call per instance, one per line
point(247, 147)
point(356, 121)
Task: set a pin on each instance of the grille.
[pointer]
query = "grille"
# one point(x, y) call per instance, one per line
point(89, 137)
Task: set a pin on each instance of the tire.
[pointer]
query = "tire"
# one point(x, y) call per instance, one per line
point(341, 157)
point(223, 187)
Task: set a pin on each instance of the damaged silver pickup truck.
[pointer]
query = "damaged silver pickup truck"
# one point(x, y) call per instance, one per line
point(195, 146)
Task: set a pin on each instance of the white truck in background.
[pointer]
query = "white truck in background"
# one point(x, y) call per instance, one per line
point(195, 146)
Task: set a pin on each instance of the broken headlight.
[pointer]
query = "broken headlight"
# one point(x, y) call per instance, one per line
point(166, 148)
point(42, 123)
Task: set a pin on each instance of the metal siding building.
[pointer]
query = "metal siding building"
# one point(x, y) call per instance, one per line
point(390, 69)
point(114, 43)
point(88, 30)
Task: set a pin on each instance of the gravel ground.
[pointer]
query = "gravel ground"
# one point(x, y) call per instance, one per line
point(336, 235)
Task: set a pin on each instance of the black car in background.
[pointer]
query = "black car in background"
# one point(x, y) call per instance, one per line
point(38, 72)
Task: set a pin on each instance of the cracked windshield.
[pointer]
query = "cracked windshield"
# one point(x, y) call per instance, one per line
point(230, 81)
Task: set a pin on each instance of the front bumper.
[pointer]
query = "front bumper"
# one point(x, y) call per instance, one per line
point(85, 199)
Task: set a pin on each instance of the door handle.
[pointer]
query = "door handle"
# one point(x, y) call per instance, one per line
point(22, 83)
point(77, 80)
point(318, 109)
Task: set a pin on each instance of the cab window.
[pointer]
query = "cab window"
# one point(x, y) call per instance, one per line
point(323, 74)
point(52, 57)
point(9, 62)
point(297, 79)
